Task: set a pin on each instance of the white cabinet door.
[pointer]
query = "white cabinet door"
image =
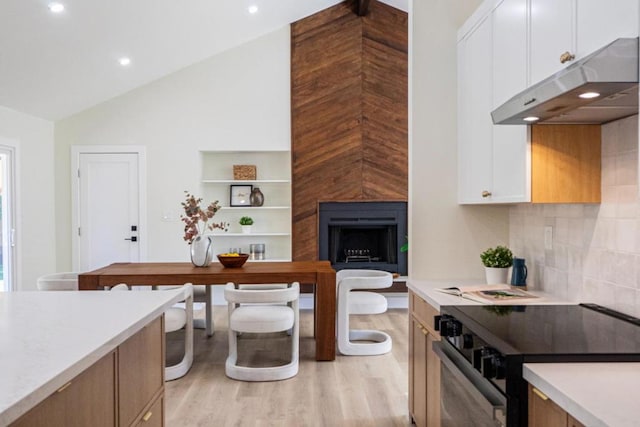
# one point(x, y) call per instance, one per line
point(509, 50)
point(552, 34)
point(600, 22)
point(511, 160)
point(475, 128)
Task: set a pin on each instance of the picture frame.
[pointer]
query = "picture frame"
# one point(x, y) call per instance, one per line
point(239, 195)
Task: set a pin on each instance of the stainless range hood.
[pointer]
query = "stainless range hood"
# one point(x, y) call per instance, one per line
point(611, 72)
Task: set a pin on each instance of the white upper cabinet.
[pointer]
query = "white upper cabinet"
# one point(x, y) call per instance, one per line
point(552, 36)
point(511, 182)
point(493, 160)
point(600, 22)
point(563, 31)
point(509, 50)
point(505, 46)
point(474, 106)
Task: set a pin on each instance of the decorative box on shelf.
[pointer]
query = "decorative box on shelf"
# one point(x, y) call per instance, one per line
point(244, 172)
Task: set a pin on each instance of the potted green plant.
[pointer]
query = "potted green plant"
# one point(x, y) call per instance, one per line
point(497, 262)
point(246, 222)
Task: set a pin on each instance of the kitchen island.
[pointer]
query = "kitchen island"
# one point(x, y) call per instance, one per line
point(47, 339)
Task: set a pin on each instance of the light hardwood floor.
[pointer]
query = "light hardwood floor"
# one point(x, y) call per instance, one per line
point(351, 391)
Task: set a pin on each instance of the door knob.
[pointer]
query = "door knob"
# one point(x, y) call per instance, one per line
point(486, 194)
point(133, 238)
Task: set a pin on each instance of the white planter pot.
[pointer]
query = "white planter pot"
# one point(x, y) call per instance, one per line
point(496, 276)
point(246, 229)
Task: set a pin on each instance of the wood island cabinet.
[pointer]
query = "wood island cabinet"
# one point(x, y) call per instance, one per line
point(141, 374)
point(424, 365)
point(544, 412)
point(124, 388)
point(87, 400)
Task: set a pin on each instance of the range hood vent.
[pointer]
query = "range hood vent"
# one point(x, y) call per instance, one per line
point(611, 72)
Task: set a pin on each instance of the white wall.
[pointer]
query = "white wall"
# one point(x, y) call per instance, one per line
point(237, 100)
point(35, 222)
point(445, 239)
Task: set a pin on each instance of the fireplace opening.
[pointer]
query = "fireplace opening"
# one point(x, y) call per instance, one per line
point(363, 235)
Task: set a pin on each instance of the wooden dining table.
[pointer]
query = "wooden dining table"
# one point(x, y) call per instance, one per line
point(318, 273)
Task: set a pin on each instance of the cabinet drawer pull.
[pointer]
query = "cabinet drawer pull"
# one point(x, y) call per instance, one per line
point(64, 387)
point(422, 329)
point(486, 194)
point(540, 394)
point(566, 57)
point(147, 416)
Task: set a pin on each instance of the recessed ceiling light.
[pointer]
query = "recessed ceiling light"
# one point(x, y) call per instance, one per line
point(124, 61)
point(531, 119)
point(56, 7)
point(589, 95)
point(253, 9)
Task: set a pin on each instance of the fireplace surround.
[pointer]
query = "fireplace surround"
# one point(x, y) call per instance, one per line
point(366, 235)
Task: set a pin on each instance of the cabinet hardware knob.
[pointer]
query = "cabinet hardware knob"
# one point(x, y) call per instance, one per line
point(422, 329)
point(64, 387)
point(540, 394)
point(147, 416)
point(566, 57)
point(486, 194)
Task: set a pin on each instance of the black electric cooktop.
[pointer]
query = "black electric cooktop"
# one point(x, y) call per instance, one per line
point(585, 332)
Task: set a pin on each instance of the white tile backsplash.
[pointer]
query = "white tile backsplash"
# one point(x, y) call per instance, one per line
point(596, 248)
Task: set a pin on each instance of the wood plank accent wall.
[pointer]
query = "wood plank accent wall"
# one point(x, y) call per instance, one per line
point(349, 112)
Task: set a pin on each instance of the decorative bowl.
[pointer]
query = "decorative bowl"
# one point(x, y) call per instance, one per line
point(233, 261)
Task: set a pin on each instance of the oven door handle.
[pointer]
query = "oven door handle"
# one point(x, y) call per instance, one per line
point(492, 401)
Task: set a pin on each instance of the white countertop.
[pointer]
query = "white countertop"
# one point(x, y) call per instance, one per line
point(48, 338)
point(427, 290)
point(596, 394)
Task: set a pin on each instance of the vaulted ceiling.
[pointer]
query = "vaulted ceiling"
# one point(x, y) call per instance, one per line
point(54, 65)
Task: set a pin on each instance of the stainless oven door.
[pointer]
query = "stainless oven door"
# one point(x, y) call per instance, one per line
point(466, 397)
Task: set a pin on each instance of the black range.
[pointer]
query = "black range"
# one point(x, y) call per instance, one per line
point(483, 349)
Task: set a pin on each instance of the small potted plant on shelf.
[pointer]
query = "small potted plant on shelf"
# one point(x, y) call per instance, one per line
point(246, 222)
point(497, 262)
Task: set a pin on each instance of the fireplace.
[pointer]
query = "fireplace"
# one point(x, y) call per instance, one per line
point(363, 235)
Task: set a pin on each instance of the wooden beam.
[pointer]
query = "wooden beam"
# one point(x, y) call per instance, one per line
point(363, 7)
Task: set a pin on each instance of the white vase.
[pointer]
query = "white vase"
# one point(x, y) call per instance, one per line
point(496, 275)
point(246, 229)
point(202, 251)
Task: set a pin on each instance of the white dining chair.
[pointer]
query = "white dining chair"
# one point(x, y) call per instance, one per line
point(176, 318)
point(67, 281)
point(261, 311)
point(353, 300)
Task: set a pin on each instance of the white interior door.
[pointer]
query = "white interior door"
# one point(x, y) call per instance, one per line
point(108, 214)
